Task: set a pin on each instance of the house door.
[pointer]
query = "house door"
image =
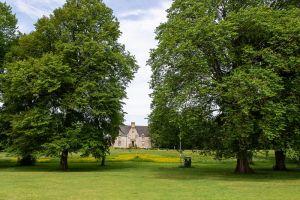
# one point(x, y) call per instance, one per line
point(132, 144)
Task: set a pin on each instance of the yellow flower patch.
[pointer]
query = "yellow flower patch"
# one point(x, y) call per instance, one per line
point(44, 160)
point(145, 157)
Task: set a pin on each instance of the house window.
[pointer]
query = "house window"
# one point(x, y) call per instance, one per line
point(119, 143)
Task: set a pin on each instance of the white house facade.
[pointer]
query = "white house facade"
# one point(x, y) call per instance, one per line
point(133, 137)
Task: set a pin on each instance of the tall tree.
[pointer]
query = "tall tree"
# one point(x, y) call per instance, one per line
point(78, 75)
point(8, 27)
point(276, 48)
point(209, 49)
point(249, 112)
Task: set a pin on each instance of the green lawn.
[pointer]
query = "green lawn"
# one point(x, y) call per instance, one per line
point(142, 174)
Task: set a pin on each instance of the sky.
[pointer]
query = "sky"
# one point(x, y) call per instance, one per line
point(138, 20)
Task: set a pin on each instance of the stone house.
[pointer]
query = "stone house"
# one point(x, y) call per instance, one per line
point(133, 137)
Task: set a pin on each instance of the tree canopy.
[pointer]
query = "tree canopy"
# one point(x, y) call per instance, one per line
point(232, 66)
point(64, 85)
point(8, 27)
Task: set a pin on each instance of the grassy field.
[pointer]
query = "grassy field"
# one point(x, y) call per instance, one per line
point(146, 174)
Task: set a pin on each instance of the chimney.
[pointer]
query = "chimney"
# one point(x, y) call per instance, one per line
point(132, 124)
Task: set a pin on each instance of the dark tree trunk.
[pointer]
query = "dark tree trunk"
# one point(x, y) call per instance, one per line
point(64, 160)
point(27, 160)
point(250, 158)
point(267, 154)
point(243, 165)
point(103, 161)
point(280, 161)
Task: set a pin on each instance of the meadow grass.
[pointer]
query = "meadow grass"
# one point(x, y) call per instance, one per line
point(146, 174)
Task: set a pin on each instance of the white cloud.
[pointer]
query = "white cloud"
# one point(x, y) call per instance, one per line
point(36, 8)
point(130, 13)
point(139, 38)
point(29, 9)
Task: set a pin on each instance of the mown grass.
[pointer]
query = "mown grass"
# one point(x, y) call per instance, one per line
point(146, 174)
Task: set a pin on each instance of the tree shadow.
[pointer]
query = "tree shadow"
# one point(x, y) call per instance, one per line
point(52, 166)
point(171, 171)
point(6, 163)
point(226, 173)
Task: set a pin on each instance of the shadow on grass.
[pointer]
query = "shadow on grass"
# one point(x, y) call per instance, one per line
point(6, 163)
point(225, 172)
point(52, 166)
point(172, 171)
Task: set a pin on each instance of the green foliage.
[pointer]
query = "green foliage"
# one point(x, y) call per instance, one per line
point(8, 28)
point(65, 91)
point(249, 113)
point(234, 69)
point(276, 47)
point(8, 23)
point(28, 90)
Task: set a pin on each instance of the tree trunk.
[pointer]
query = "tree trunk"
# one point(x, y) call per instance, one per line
point(280, 161)
point(250, 158)
point(103, 161)
point(267, 154)
point(64, 160)
point(242, 165)
point(27, 160)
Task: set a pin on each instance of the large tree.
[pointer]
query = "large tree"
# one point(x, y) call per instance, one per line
point(276, 48)
point(8, 27)
point(222, 59)
point(69, 82)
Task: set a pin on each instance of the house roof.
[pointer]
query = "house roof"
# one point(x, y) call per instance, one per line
point(124, 130)
point(143, 130)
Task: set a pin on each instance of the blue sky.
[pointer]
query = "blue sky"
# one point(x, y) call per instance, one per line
point(138, 20)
